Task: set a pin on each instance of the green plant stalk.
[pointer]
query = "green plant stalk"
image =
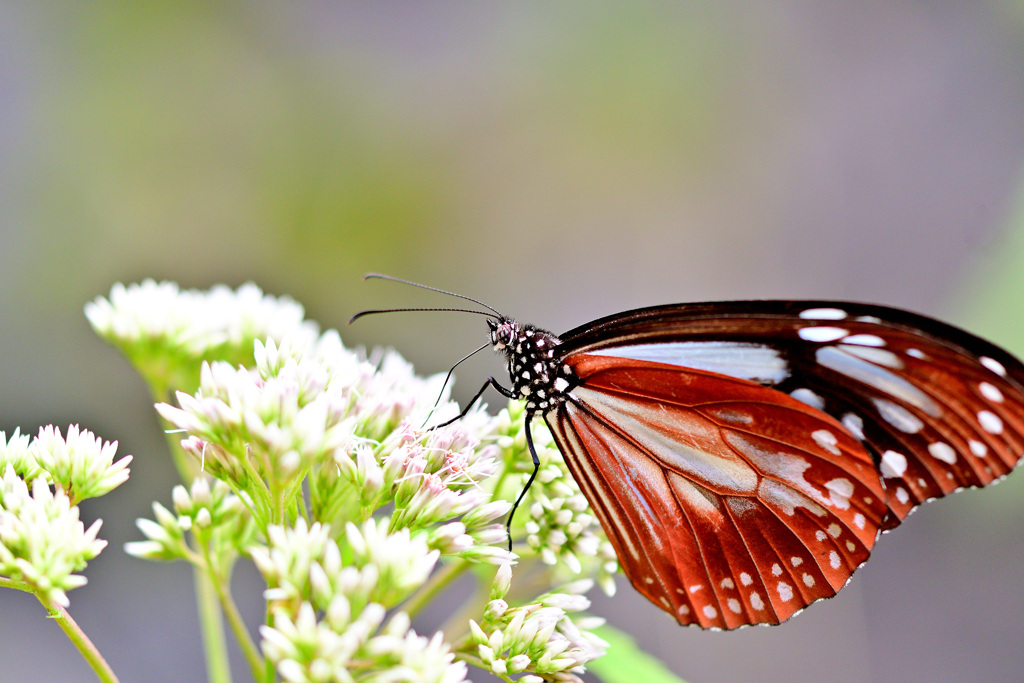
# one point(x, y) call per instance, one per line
point(218, 669)
point(245, 642)
point(221, 582)
point(81, 641)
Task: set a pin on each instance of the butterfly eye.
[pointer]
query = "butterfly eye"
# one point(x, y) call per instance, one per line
point(502, 333)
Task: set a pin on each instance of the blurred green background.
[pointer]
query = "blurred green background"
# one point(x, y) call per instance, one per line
point(559, 161)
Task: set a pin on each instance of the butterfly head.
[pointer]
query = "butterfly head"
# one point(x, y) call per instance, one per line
point(503, 333)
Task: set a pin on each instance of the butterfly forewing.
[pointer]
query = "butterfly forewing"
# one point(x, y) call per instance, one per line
point(728, 503)
point(938, 408)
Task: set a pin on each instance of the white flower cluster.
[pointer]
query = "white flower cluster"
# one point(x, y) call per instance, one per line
point(80, 464)
point(194, 322)
point(325, 476)
point(350, 583)
point(217, 517)
point(324, 412)
point(438, 477)
point(270, 421)
point(42, 540)
point(539, 637)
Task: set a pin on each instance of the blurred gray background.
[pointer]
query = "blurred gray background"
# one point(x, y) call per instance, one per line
point(561, 162)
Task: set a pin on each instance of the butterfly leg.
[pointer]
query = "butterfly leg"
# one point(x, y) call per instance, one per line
point(529, 482)
point(491, 382)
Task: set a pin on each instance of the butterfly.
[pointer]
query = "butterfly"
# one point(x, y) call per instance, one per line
point(743, 457)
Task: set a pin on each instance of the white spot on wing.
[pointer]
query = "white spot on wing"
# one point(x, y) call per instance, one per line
point(990, 422)
point(808, 580)
point(745, 579)
point(942, 451)
point(865, 340)
point(902, 496)
point(826, 440)
point(734, 605)
point(993, 365)
point(990, 392)
point(756, 602)
point(839, 491)
point(978, 448)
point(898, 416)
point(710, 612)
point(785, 591)
point(833, 560)
point(805, 395)
point(776, 569)
point(893, 464)
point(823, 314)
point(854, 424)
point(822, 334)
point(727, 583)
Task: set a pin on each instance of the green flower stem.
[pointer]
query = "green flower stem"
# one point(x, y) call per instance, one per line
point(437, 583)
point(218, 669)
point(269, 671)
point(252, 654)
point(77, 636)
point(16, 585)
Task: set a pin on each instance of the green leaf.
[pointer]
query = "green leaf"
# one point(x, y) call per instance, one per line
point(627, 663)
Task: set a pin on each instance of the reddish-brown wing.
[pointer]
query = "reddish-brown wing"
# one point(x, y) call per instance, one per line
point(940, 408)
point(728, 503)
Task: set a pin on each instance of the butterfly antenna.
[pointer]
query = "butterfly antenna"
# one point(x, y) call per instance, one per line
point(448, 378)
point(379, 276)
point(362, 314)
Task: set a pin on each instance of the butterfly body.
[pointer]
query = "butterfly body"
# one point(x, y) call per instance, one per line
point(538, 376)
point(743, 457)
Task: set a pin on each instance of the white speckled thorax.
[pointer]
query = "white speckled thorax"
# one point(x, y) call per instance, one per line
point(538, 375)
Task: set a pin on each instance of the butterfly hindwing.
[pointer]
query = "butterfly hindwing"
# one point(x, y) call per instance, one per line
point(728, 503)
